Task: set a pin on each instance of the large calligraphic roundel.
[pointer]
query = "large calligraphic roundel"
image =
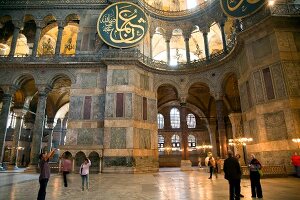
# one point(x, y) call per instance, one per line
point(241, 8)
point(122, 25)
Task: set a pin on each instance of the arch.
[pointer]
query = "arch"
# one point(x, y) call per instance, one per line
point(67, 154)
point(48, 19)
point(196, 79)
point(79, 158)
point(95, 162)
point(175, 117)
point(28, 17)
point(72, 17)
point(61, 75)
point(165, 81)
point(20, 79)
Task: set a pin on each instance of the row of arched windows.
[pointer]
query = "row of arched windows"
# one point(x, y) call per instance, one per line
point(175, 119)
point(175, 141)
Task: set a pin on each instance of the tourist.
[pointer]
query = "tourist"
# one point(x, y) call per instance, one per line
point(233, 174)
point(66, 165)
point(295, 159)
point(84, 172)
point(44, 173)
point(211, 164)
point(254, 167)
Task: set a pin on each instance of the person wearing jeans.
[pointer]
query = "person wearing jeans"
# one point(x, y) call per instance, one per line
point(84, 172)
point(66, 165)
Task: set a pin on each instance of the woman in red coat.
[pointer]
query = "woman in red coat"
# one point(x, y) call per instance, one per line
point(296, 162)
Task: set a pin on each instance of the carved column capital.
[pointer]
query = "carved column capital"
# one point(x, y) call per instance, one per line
point(9, 89)
point(39, 23)
point(19, 24)
point(44, 89)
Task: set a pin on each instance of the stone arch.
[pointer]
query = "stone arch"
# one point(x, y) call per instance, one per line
point(79, 158)
point(19, 79)
point(67, 154)
point(48, 19)
point(203, 80)
point(166, 81)
point(64, 75)
point(72, 17)
point(95, 162)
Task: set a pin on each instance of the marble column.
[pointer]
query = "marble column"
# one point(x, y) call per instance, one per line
point(151, 48)
point(184, 132)
point(6, 100)
point(187, 50)
point(36, 38)
point(59, 38)
point(211, 127)
point(168, 52)
point(38, 128)
point(17, 133)
point(206, 45)
point(236, 119)
point(223, 37)
point(221, 128)
point(78, 42)
point(14, 41)
point(50, 123)
point(63, 130)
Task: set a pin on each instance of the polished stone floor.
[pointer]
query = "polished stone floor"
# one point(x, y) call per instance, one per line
point(168, 184)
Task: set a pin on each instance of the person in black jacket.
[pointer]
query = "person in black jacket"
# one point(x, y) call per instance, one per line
point(233, 174)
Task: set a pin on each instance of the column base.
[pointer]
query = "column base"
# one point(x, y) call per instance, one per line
point(186, 165)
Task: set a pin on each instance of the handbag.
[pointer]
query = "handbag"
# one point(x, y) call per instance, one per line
point(260, 172)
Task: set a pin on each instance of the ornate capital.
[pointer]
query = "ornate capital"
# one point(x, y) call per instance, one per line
point(19, 24)
point(39, 23)
point(9, 89)
point(44, 89)
point(61, 23)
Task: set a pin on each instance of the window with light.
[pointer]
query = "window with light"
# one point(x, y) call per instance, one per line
point(175, 118)
point(160, 121)
point(191, 141)
point(175, 141)
point(161, 141)
point(191, 121)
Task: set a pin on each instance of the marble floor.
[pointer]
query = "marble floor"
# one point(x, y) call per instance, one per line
point(171, 184)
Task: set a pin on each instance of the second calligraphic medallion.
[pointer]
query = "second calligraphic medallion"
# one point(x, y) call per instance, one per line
point(241, 8)
point(122, 25)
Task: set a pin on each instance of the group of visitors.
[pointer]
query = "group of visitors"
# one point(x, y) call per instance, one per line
point(66, 166)
point(233, 174)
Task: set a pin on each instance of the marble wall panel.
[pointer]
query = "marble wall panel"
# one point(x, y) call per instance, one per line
point(138, 109)
point(259, 91)
point(98, 136)
point(98, 107)
point(85, 136)
point(110, 105)
point(118, 161)
point(292, 74)
point(152, 111)
point(120, 77)
point(275, 126)
point(244, 97)
point(144, 81)
point(120, 105)
point(128, 105)
point(76, 107)
point(242, 62)
point(87, 107)
point(118, 138)
point(144, 139)
point(254, 134)
point(279, 85)
point(88, 80)
point(283, 40)
point(71, 137)
point(261, 48)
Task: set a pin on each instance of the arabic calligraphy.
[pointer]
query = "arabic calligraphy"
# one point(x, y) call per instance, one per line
point(122, 25)
point(241, 8)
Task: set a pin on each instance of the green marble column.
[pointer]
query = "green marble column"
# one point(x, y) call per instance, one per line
point(13, 45)
point(221, 128)
point(59, 38)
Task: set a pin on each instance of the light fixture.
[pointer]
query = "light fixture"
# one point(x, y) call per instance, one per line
point(296, 140)
point(271, 2)
point(239, 141)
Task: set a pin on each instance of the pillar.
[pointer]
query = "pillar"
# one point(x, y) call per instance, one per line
point(187, 49)
point(59, 38)
point(168, 51)
point(38, 128)
point(151, 48)
point(206, 45)
point(3, 121)
point(223, 37)
point(14, 41)
point(184, 133)
point(213, 140)
point(78, 41)
point(221, 128)
point(17, 133)
point(36, 38)
point(50, 123)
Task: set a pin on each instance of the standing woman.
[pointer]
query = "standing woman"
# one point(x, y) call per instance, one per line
point(44, 173)
point(84, 172)
point(255, 177)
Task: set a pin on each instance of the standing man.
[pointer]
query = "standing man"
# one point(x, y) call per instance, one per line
point(233, 174)
point(44, 173)
point(66, 168)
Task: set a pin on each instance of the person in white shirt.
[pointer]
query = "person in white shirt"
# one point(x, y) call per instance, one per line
point(84, 172)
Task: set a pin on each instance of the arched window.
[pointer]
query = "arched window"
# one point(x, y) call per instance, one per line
point(175, 118)
point(175, 141)
point(160, 121)
point(191, 121)
point(161, 141)
point(191, 141)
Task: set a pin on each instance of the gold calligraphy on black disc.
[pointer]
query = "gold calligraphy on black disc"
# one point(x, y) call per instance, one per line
point(241, 8)
point(122, 25)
